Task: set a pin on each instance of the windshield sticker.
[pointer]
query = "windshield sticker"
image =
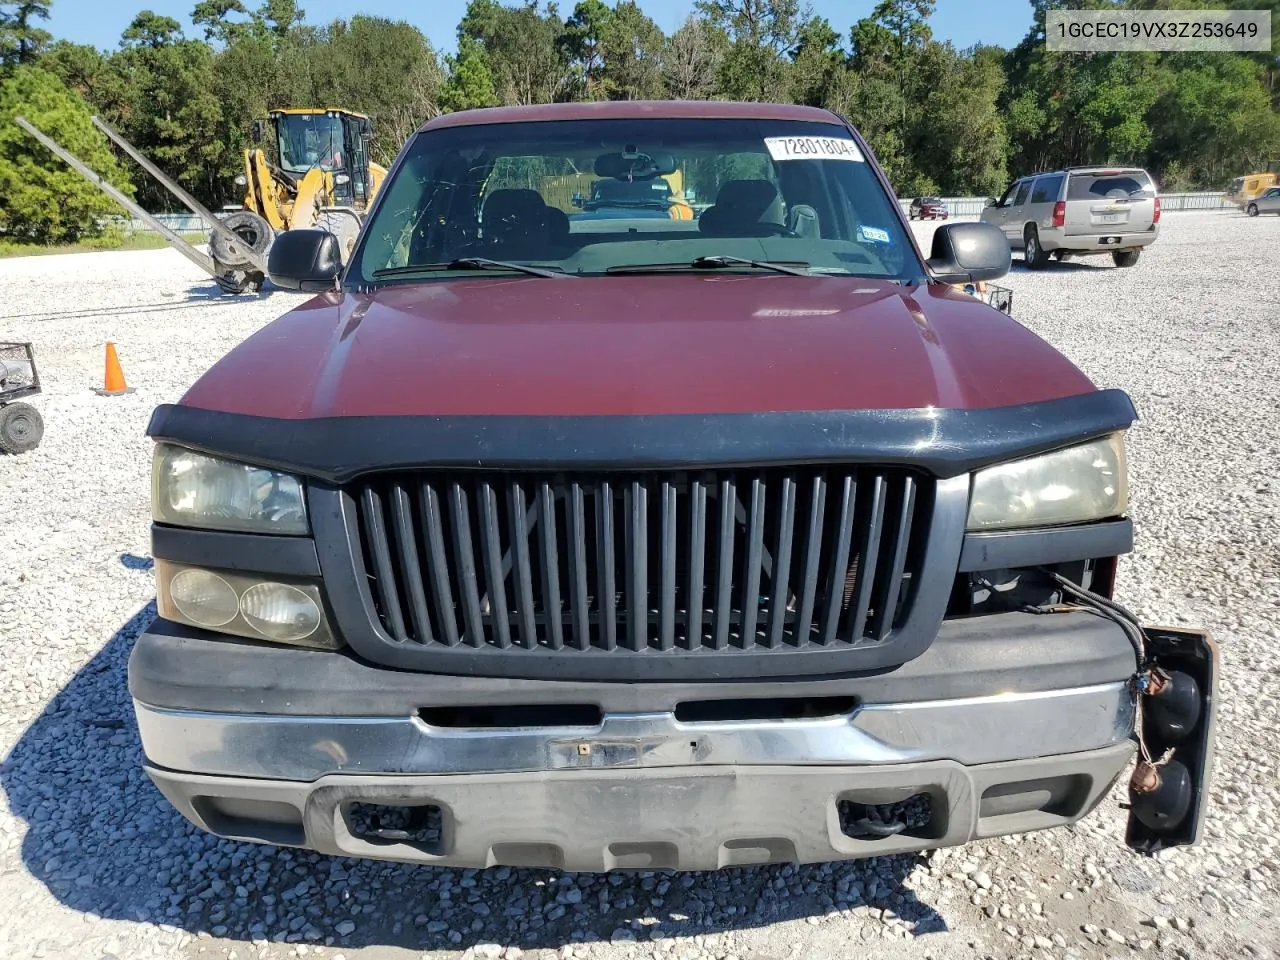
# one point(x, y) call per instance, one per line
point(873, 235)
point(812, 148)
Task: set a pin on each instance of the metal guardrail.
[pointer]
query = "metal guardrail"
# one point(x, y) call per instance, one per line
point(1169, 203)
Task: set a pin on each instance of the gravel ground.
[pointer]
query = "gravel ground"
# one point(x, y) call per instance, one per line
point(94, 864)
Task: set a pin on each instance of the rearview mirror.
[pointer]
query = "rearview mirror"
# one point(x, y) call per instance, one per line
point(307, 260)
point(969, 252)
point(634, 165)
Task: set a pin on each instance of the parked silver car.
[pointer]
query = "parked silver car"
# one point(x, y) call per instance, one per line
point(1079, 211)
point(1267, 202)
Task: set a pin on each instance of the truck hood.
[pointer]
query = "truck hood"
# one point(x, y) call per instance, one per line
point(635, 345)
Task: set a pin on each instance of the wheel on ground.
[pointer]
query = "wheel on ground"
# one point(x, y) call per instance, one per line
point(1034, 254)
point(1252, 210)
point(21, 428)
point(1126, 258)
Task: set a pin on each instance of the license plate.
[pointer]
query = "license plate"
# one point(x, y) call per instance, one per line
point(1112, 218)
point(1107, 240)
point(1177, 818)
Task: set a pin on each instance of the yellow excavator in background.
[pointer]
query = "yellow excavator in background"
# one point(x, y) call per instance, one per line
point(319, 175)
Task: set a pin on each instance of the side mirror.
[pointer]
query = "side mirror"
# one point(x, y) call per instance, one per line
point(258, 131)
point(992, 202)
point(308, 260)
point(968, 252)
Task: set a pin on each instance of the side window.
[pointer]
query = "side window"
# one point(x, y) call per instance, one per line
point(1007, 199)
point(1047, 189)
point(1024, 188)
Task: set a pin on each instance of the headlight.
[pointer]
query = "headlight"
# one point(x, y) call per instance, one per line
point(1086, 482)
point(193, 490)
point(241, 181)
point(245, 605)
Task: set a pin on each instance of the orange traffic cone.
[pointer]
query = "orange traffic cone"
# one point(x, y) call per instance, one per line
point(113, 382)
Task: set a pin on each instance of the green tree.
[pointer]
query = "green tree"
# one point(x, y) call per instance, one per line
point(41, 199)
point(383, 68)
point(763, 34)
point(469, 84)
point(214, 16)
point(691, 60)
point(632, 45)
point(817, 65)
point(21, 41)
point(149, 29)
point(522, 48)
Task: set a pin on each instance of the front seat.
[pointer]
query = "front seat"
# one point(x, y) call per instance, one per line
point(514, 218)
point(745, 208)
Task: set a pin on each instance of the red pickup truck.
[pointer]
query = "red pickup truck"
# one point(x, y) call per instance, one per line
point(647, 543)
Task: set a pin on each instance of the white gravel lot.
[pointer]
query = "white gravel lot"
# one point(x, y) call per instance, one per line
point(93, 863)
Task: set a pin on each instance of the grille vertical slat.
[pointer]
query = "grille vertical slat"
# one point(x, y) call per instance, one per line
point(579, 595)
point(667, 602)
point(636, 509)
point(813, 552)
point(605, 547)
point(550, 566)
point(724, 565)
point(437, 562)
point(466, 559)
point(697, 563)
point(407, 549)
point(671, 563)
point(838, 570)
point(781, 575)
point(521, 570)
point(891, 584)
point(750, 616)
point(868, 553)
point(380, 549)
point(495, 577)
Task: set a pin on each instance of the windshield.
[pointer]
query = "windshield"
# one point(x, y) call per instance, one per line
point(308, 140)
point(591, 197)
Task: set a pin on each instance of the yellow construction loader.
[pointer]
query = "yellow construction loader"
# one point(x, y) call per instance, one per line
point(318, 174)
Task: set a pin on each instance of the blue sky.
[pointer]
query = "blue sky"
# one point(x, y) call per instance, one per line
point(963, 22)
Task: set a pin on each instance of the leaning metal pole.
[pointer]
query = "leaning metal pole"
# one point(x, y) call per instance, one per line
point(191, 253)
point(192, 204)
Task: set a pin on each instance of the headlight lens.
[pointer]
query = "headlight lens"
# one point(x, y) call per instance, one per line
point(194, 490)
point(1078, 484)
point(244, 605)
point(280, 612)
point(204, 598)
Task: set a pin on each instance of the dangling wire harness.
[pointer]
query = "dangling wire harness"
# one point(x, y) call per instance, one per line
point(1147, 681)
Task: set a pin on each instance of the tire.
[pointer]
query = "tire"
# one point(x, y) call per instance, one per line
point(1035, 255)
point(1126, 258)
point(1252, 210)
point(254, 232)
point(21, 428)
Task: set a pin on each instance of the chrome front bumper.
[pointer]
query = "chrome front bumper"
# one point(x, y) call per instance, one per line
point(969, 731)
point(643, 790)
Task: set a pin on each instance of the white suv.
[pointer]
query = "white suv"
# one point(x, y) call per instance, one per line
point(1079, 211)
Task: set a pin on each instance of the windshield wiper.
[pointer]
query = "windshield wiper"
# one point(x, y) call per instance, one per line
point(468, 263)
point(796, 268)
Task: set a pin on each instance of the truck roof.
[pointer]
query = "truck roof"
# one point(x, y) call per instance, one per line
point(631, 109)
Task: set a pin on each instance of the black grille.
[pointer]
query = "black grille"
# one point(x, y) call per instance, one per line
point(682, 561)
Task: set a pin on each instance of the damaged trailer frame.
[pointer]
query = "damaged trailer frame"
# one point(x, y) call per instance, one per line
point(232, 279)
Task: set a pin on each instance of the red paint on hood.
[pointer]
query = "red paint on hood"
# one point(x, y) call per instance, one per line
point(656, 344)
